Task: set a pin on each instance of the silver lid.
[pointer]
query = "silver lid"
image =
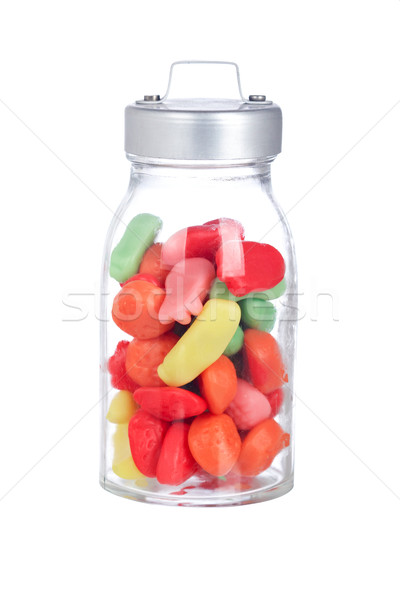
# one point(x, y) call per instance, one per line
point(203, 129)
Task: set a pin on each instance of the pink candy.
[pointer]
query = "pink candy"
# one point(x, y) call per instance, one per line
point(249, 407)
point(186, 286)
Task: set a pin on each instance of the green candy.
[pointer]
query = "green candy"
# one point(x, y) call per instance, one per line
point(128, 253)
point(258, 313)
point(220, 290)
point(274, 292)
point(236, 342)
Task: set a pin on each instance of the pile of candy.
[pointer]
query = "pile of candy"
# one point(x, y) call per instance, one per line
point(201, 379)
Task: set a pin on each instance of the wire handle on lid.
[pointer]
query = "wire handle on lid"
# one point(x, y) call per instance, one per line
point(253, 99)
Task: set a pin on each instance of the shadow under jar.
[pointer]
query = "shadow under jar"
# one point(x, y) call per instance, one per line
point(198, 310)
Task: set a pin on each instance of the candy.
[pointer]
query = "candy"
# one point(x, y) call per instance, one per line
point(122, 463)
point(214, 443)
point(230, 254)
point(262, 267)
point(264, 361)
point(220, 290)
point(122, 408)
point(135, 310)
point(151, 264)
point(170, 403)
point(249, 406)
point(186, 286)
point(144, 356)
point(260, 446)
point(258, 313)
point(184, 407)
point(200, 240)
point(202, 344)
point(176, 463)
point(218, 384)
point(116, 366)
point(142, 277)
point(236, 342)
point(146, 435)
point(138, 236)
point(275, 399)
point(278, 290)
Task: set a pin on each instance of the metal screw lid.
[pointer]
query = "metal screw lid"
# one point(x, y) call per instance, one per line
point(203, 129)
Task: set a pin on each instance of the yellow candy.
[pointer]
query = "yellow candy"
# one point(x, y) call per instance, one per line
point(126, 469)
point(122, 408)
point(202, 344)
point(123, 464)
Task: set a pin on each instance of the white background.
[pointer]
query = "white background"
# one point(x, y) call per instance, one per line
point(67, 69)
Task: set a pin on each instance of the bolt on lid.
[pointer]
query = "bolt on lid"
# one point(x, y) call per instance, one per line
point(203, 129)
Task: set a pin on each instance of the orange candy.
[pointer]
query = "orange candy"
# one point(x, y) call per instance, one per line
point(143, 358)
point(136, 307)
point(151, 264)
point(214, 443)
point(260, 446)
point(218, 384)
point(264, 360)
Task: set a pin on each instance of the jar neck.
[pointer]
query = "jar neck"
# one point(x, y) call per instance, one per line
point(198, 168)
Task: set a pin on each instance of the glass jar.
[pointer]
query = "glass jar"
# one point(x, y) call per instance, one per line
point(198, 309)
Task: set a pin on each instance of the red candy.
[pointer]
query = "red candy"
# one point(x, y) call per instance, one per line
point(176, 463)
point(264, 360)
point(260, 446)
point(135, 310)
point(146, 434)
point(257, 266)
point(215, 443)
point(275, 400)
point(170, 403)
point(218, 384)
point(116, 366)
point(141, 277)
point(151, 264)
point(200, 240)
point(143, 358)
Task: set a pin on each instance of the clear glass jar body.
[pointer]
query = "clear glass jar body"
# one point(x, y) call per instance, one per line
point(184, 194)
